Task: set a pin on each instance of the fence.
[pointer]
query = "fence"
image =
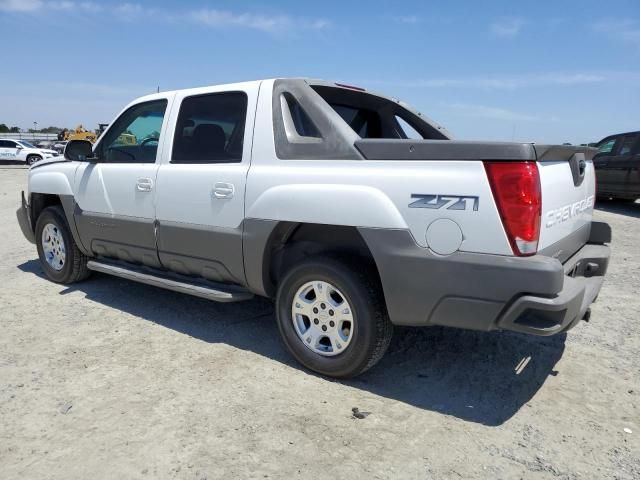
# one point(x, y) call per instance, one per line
point(30, 137)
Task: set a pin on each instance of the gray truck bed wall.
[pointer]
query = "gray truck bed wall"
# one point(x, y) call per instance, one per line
point(400, 149)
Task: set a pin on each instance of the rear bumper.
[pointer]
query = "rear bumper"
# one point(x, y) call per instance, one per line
point(584, 275)
point(536, 295)
point(24, 220)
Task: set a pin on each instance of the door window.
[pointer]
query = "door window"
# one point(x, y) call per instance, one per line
point(210, 129)
point(606, 148)
point(135, 135)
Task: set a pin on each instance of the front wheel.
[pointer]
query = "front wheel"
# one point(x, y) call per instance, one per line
point(332, 317)
point(31, 159)
point(60, 257)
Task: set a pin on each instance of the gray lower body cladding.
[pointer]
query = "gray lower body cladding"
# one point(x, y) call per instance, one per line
point(129, 239)
point(536, 295)
point(204, 251)
point(23, 215)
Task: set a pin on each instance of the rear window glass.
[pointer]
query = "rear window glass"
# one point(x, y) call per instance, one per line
point(371, 116)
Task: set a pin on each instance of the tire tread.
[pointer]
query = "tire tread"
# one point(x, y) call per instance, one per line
point(79, 270)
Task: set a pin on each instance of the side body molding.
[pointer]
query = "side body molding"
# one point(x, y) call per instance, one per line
point(331, 204)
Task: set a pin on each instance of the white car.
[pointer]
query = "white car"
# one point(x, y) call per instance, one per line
point(311, 193)
point(22, 151)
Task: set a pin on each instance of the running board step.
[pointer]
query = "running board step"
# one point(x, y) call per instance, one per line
point(221, 293)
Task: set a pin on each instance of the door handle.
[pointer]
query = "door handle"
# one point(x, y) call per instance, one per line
point(144, 185)
point(223, 190)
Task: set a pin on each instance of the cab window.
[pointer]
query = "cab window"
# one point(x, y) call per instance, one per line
point(626, 147)
point(135, 135)
point(210, 128)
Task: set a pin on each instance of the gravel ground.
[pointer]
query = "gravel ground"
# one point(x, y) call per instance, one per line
point(112, 379)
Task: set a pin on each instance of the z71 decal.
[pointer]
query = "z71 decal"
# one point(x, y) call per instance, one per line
point(452, 202)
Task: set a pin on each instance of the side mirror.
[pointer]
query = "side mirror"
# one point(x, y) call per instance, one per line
point(78, 151)
point(19, 147)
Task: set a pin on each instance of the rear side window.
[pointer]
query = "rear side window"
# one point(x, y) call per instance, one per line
point(628, 142)
point(210, 129)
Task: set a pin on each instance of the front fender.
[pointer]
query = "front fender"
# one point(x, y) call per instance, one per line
point(331, 204)
point(53, 183)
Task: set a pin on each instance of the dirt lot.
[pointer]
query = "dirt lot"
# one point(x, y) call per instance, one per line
point(111, 379)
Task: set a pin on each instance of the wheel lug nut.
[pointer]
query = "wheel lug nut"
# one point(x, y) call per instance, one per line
point(315, 310)
point(324, 328)
point(332, 323)
point(331, 312)
point(315, 320)
point(323, 306)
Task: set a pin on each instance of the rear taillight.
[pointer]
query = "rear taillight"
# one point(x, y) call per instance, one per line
point(516, 191)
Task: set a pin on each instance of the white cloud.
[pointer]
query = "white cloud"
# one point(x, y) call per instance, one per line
point(213, 18)
point(493, 113)
point(20, 5)
point(37, 6)
point(408, 19)
point(626, 30)
point(266, 23)
point(507, 27)
point(507, 82)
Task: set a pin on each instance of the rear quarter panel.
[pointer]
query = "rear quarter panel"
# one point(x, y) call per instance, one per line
point(377, 194)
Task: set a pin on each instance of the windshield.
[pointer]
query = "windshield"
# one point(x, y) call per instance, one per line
point(26, 144)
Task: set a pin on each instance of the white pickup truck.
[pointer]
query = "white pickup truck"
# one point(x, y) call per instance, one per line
point(313, 193)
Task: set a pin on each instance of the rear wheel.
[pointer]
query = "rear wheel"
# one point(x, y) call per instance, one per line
point(31, 159)
point(332, 317)
point(60, 257)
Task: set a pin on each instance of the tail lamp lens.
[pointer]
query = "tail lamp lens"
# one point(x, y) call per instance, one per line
point(516, 191)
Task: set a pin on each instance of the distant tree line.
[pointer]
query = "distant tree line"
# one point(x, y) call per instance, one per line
point(5, 129)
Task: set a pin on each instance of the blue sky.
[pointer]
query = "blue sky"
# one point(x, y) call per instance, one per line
point(545, 71)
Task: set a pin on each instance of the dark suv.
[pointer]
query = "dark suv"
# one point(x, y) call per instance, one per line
point(617, 166)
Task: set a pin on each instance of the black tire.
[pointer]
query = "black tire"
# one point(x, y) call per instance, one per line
point(75, 265)
point(31, 159)
point(361, 287)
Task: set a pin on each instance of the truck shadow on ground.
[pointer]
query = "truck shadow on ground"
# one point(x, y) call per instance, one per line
point(476, 376)
point(622, 208)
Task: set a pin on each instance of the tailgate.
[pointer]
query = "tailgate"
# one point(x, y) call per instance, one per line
point(567, 179)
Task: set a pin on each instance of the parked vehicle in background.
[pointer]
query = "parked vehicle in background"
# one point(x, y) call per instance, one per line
point(312, 193)
point(80, 133)
point(617, 165)
point(59, 146)
point(46, 144)
point(23, 151)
